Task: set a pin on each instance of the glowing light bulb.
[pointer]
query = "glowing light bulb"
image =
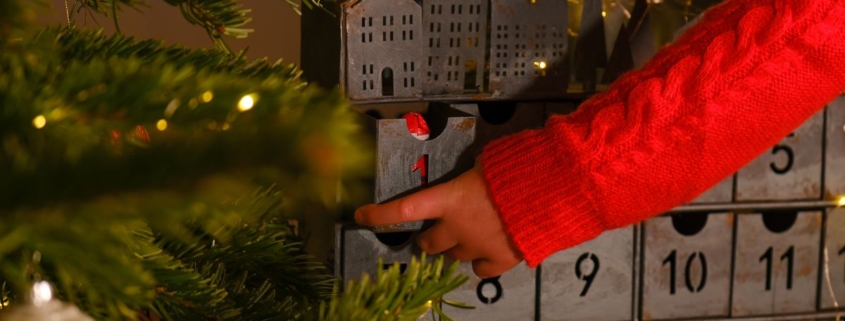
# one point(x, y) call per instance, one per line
point(246, 102)
point(841, 201)
point(604, 13)
point(39, 122)
point(41, 293)
point(161, 125)
point(540, 64)
point(207, 96)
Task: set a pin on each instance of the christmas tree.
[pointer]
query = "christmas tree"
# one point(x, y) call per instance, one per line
point(143, 181)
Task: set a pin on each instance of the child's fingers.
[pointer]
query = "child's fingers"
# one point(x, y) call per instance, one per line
point(485, 268)
point(437, 239)
point(424, 205)
point(461, 253)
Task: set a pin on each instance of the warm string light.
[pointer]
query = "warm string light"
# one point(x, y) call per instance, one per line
point(161, 125)
point(67, 13)
point(246, 102)
point(207, 96)
point(39, 122)
point(841, 201)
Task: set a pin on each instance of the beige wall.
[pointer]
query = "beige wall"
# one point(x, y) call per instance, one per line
point(276, 27)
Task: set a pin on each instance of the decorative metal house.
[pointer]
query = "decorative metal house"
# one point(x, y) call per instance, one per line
point(435, 50)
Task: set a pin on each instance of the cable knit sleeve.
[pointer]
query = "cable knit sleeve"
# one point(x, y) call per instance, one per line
point(730, 88)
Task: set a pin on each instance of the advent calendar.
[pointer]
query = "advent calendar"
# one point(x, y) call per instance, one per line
point(767, 243)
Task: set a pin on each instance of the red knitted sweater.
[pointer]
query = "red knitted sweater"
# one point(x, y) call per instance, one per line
point(730, 88)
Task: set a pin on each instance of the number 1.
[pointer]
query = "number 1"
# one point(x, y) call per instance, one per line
point(422, 166)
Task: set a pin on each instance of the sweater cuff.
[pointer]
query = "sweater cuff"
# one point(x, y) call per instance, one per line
point(546, 216)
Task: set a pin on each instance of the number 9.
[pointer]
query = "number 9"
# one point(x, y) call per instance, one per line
point(587, 277)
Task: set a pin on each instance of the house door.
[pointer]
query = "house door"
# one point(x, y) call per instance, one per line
point(387, 82)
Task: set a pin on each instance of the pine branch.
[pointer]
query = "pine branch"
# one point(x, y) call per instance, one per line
point(219, 18)
point(96, 110)
point(83, 46)
point(392, 295)
point(104, 257)
point(258, 262)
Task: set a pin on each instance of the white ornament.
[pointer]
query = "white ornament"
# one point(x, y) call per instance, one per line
point(43, 308)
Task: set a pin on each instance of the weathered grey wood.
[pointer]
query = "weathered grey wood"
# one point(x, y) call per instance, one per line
point(722, 193)
point(699, 264)
point(525, 116)
point(397, 151)
point(789, 171)
point(834, 172)
point(513, 299)
point(528, 47)
point(362, 251)
point(566, 296)
point(455, 43)
point(834, 242)
point(751, 276)
point(383, 54)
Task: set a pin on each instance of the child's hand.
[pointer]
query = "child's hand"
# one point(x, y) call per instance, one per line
point(468, 226)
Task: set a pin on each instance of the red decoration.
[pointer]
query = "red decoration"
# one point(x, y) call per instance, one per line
point(142, 133)
point(115, 137)
point(417, 125)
